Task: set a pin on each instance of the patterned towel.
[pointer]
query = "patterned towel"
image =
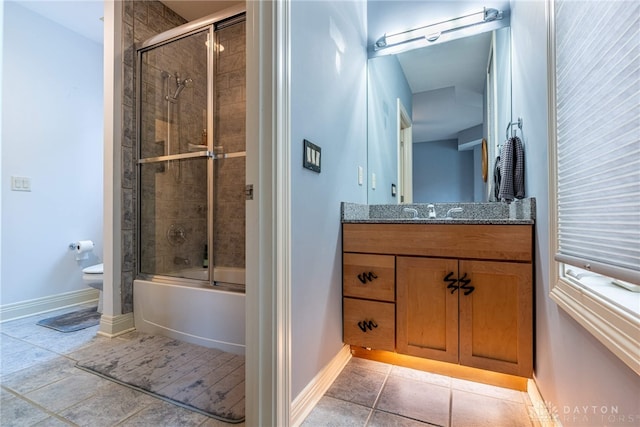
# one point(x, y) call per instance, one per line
point(511, 170)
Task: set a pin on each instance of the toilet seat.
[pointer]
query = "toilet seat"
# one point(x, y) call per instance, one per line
point(94, 269)
point(92, 277)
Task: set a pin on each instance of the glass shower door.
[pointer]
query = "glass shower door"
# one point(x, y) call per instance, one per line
point(175, 157)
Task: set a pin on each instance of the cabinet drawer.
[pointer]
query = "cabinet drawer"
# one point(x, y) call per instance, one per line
point(369, 324)
point(369, 276)
point(493, 242)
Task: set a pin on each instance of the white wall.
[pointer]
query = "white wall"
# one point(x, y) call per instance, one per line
point(51, 133)
point(328, 107)
point(576, 374)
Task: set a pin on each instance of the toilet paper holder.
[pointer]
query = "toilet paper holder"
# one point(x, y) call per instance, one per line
point(75, 246)
point(82, 249)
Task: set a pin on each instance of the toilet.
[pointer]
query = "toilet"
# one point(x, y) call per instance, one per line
point(93, 276)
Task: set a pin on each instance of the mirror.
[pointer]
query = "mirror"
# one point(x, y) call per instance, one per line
point(429, 110)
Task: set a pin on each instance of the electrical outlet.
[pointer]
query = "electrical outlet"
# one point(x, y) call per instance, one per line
point(360, 175)
point(373, 181)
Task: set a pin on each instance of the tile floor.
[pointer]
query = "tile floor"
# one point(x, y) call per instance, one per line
point(40, 386)
point(369, 393)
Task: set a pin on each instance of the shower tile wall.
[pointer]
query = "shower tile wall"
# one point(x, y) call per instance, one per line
point(140, 20)
point(229, 174)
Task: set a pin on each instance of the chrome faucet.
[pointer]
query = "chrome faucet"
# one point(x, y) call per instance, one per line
point(413, 211)
point(452, 210)
point(432, 210)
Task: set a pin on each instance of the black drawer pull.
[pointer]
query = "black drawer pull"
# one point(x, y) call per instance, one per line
point(465, 284)
point(367, 277)
point(367, 324)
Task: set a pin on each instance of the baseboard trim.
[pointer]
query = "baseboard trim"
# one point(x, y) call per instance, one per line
point(22, 309)
point(541, 413)
point(308, 398)
point(112, 326)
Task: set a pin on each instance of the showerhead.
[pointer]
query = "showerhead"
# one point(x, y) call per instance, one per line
point(181, 85)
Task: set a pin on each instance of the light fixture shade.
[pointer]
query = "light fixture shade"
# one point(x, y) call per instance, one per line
point(432, 32)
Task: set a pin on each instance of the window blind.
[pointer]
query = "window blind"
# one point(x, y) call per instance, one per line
point(598, 136)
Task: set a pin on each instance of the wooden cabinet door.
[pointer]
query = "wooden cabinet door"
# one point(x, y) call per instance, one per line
point(496, 329)
point(426, 309)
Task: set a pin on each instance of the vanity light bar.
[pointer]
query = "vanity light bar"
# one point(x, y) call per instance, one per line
point(432, 32)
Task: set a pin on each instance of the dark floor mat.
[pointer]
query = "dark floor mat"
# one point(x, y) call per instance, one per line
point(74, 321)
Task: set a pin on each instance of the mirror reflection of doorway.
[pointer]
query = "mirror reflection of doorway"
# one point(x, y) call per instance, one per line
point(405, 156)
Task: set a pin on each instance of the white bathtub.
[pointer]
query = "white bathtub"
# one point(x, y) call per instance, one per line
point(194, 313)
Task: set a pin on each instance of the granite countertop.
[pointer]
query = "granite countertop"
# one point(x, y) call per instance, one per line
point(490, 221)
point(519, 212)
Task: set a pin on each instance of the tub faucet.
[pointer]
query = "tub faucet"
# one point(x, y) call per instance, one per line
point(413, 211)
point(452, 210)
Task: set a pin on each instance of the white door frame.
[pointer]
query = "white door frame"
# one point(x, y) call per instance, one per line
point(268, 260)
point(405, 155)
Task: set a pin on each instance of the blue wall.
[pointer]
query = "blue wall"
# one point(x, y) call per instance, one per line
point(572, 369)
point(387, 84)
point(52, 132)
point(441, 173)
point(328, 107)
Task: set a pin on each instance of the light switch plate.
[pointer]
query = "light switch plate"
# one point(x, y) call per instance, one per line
point(311, 156)
point(20, 183)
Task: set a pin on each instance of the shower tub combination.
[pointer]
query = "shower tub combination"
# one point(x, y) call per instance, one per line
point(191, 175)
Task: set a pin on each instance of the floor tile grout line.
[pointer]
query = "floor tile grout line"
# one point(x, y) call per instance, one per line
point(36, 363)
point(375, 402)
point(450, 405)
point(40, 346)
point(49, 412)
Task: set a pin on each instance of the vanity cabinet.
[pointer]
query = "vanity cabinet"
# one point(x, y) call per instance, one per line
point(461, 293)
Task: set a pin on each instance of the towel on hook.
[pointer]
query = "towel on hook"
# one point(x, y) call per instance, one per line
point(511, 170)
point(496, 179)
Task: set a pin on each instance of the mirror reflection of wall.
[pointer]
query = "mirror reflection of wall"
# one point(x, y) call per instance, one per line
point(456, 93)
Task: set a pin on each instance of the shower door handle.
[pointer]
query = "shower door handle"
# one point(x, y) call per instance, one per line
point(204, 154)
